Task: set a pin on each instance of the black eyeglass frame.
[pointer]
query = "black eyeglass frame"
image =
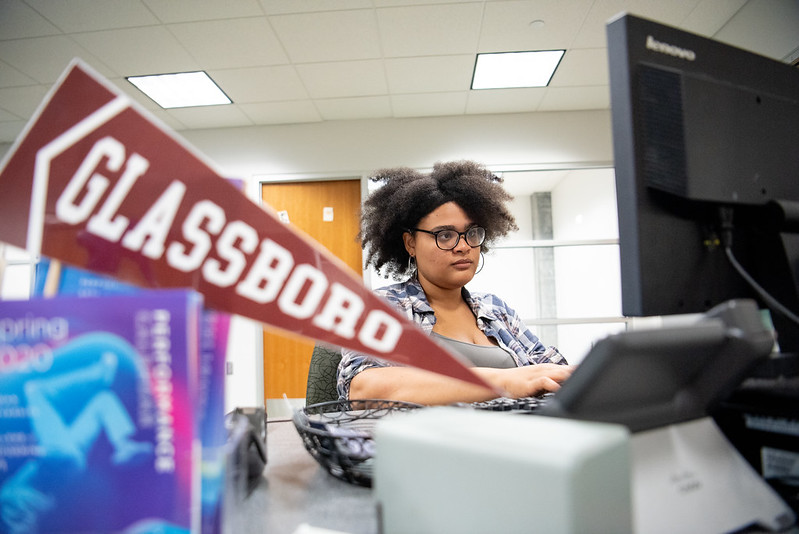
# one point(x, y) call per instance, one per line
point(460, 234)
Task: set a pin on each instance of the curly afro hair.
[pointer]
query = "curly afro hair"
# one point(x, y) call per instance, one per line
point(406, 196)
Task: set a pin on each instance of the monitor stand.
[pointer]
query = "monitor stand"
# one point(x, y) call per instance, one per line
point(688, 477)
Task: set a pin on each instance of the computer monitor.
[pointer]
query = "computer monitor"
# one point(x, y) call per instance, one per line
point(706, 157)
point(647, 379)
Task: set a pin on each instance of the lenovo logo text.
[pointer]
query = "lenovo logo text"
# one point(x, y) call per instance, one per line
point(671, 50)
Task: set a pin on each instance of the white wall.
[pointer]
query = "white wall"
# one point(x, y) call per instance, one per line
point(361, 146)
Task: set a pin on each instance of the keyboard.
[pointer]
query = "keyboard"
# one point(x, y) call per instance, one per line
point(524, 405)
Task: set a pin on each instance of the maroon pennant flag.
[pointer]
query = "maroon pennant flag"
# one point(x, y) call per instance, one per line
point(95, 182)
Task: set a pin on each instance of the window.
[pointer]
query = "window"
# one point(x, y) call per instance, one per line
point(560, 270)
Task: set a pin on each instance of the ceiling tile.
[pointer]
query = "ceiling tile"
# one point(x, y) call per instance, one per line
point(22, 101)
point(170, 121)
point(504, 100)
point(328, 36)
point(575, 98)
point(507, 26)
point(10, 130)
point(135, 94)
point(429, 104)
point(18, 21)
point(70, 15)
point(429, 74)
point(368, 107)
point(170, 11)
point(211, 116)
point(394, 3)
point(45, 58)
point(260, 84)
point(11, 77)
point(593, 32)
point(582, 66)
point(432, 30)
point(285, 61)
point(137, 51)
point(778, 19)
point(5, 116)
point(281, 7)
point(230, 43)
point(709, 16)
point(298, 111)
point(346, 78)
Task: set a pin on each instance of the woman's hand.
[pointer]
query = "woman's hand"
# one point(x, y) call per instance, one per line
point(531, 380)
point(416, 385)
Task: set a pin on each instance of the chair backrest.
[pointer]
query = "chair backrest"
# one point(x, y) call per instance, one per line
point(321, 385)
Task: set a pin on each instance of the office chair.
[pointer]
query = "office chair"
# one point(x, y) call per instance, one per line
point(321, 385)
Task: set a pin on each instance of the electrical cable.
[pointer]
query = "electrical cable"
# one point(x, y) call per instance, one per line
point(770, 301)
point(726, 216)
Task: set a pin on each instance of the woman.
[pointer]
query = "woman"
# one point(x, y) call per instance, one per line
point(432, 229)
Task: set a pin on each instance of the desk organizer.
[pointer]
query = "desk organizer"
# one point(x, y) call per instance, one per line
point(339, 434)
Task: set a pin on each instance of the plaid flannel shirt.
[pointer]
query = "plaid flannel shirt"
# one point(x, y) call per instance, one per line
point(494, 318)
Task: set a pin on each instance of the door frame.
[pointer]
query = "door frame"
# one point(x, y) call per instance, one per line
point(265, 179)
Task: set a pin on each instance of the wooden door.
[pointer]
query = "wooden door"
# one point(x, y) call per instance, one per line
point(328, 211)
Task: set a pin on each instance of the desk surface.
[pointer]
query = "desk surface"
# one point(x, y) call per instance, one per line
point(295, 489)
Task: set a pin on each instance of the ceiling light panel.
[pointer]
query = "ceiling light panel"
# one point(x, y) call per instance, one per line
point(181, 90)
point(515, 69)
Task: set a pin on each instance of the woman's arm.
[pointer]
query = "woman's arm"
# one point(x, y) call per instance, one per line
point(424, 387)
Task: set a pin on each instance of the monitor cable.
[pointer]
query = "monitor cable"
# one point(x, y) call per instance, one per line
point(726, 241)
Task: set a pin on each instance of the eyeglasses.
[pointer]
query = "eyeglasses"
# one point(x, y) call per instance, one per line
point(449, 239)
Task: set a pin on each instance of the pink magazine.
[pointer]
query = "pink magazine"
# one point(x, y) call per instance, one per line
point(97, 428)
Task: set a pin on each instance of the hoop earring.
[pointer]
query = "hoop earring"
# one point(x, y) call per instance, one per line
point(482, 264)
point(411, 262)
